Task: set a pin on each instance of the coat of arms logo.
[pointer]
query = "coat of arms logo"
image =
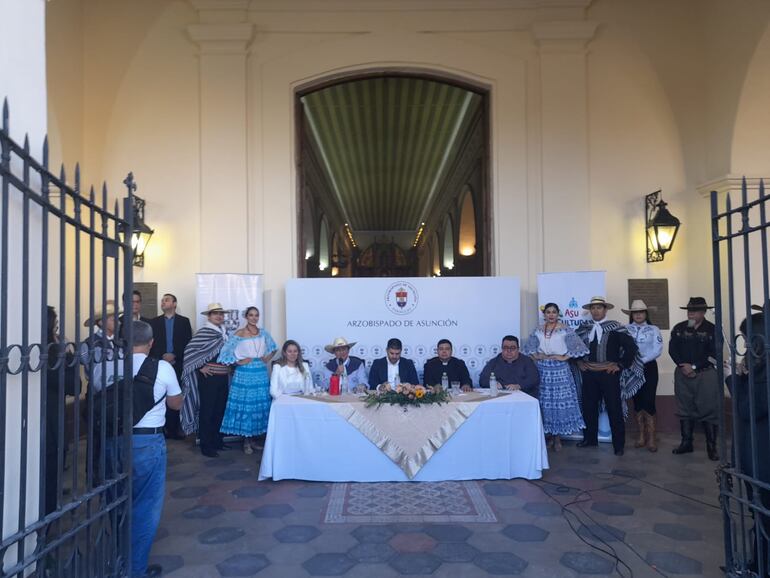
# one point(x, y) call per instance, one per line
point(401, 298)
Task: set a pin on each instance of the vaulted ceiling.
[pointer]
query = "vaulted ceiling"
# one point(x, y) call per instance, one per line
point(386, 144)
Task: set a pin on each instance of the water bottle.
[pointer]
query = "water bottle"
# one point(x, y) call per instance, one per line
point(444, 381)
point(344, 382)
point(492, 384)
point(396, 380)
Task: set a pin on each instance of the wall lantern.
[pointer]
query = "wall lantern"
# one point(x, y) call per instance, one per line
point(662, 227)
point(141, 233)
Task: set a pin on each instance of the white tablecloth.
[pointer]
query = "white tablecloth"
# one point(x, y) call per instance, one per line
point(307, 440)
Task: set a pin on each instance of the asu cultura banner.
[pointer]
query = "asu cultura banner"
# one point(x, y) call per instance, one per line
point(474, 313)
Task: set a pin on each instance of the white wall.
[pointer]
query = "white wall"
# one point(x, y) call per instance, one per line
point(22, 81)
point(643, 101)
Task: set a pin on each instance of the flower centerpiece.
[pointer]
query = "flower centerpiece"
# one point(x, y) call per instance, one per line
point(407, 394)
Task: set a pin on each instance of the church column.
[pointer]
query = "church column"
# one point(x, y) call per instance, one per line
point(564, 142)
point(223, 36)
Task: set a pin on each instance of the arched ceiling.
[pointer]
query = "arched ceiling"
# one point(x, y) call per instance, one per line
point(386, 144)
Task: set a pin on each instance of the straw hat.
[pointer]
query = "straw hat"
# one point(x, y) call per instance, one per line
point(697, 303)
point(212, 308)
point(636, 305)
point(107, 311)
point(598, 301)
point(338, 342)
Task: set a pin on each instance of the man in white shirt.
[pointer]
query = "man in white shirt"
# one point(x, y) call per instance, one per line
point(148, 475)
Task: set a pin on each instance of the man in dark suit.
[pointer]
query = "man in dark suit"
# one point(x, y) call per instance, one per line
point(455, 369)
point(393, 368)
point(136, 313)
point(172, 333)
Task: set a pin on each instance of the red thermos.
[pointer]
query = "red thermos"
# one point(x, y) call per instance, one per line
point(334, 385)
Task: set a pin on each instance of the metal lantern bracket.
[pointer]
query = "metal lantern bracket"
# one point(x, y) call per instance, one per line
point(658, 218)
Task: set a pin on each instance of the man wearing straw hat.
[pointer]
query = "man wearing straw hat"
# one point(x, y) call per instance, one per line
point(351, 369)
point(611, 371)
point(696, 384)
point(205, 382)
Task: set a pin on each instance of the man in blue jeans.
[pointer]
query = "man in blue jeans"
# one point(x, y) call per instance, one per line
point(148, 476)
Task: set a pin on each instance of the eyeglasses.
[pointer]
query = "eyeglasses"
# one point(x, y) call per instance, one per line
point(510, 347)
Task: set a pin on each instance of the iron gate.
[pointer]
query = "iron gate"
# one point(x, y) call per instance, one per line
point(63, 257)
point(740, 253)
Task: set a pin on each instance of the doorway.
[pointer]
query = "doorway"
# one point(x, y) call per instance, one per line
point(393, 177)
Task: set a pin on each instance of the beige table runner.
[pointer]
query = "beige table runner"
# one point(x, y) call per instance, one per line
point(409, 435)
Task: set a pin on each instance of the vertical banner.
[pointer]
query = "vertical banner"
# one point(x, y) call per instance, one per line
point(234, 291)
point(570, 291)
point(474, 313)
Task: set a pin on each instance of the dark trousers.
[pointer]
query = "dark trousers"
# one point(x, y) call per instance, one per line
point(598, 385)
point(213, 399)
point(173, 427)
point(644, 400)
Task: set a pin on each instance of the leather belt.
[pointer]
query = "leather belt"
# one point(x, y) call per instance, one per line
point(138, 431)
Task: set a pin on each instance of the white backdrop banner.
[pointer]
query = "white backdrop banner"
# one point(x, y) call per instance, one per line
point(234, 291)
point(474, 313)
point(570, 291)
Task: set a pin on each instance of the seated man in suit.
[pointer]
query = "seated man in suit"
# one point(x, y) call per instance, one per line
point(392, 369)
point(455, 369)
point(351, 369)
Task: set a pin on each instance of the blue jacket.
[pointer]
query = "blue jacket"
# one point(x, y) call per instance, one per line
point(379, 372)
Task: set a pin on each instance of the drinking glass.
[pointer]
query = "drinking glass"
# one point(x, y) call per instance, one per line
point(455, 388)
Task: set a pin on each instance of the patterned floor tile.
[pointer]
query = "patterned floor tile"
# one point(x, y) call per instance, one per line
point(328, 564)
point(373, 534)
point(448, 533)
point(500, 563)
point(415, 563)
point(525, 533)
point(371, 552)
point(412, 542)
point(296, 534)
point(455, 552)
point(678, 532)
point(674, 563)
point(243, 565)
point(587, 563)
point(220, 535)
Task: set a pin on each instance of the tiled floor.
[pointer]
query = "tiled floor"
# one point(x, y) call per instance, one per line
point(218, 520)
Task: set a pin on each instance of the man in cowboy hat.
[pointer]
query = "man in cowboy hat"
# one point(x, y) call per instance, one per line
point(611, 371)
point(205, 382)
point(102, 343)
point(696, 384)
point(351, 369)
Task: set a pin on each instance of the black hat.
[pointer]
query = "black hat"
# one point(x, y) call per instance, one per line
point(696, 304)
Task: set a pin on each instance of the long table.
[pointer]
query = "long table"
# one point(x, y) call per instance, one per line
point(308, 440)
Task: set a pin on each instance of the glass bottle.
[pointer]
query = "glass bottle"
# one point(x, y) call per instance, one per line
point(492, 384)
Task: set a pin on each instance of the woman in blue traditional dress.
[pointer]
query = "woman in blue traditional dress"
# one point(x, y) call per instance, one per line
point(250, 349)
point(552, 345)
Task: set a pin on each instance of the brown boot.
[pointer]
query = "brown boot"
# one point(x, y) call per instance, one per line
point(652, 443)
point(640, 420)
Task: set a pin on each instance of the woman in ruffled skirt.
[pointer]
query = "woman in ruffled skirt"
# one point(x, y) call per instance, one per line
point(552, 345)
point(250, 349)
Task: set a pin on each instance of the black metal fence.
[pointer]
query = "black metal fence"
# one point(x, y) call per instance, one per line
point(65, 268)
point(740, 252)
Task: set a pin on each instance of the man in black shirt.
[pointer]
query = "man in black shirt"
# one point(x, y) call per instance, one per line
point(696, 384)
point(611, 351)
point(455, 369)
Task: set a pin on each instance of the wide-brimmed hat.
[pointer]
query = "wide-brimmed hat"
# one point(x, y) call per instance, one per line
point(107, 311)
point(338, 342)
point(212, 308)
point(598, 301)
point(696, 303)
point(636, 306)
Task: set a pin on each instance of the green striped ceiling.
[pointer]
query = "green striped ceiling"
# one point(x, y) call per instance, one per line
point(386, 145)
